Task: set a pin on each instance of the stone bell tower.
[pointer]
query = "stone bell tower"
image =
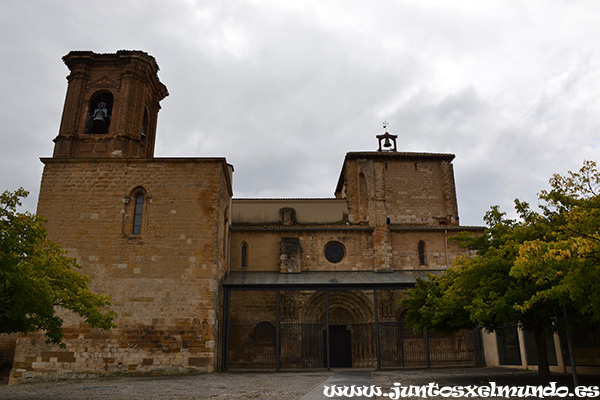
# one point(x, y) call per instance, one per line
point(123, 213)
point(111, 107)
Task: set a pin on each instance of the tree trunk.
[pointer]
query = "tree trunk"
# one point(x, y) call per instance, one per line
point(542, 355)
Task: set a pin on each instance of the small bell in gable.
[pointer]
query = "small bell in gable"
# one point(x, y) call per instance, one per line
point(387, 142)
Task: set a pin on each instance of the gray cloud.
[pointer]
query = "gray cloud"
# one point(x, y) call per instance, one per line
point(284, 89)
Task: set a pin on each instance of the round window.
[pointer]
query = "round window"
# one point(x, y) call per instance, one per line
point(334, 252)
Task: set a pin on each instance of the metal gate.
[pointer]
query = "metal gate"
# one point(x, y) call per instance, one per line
point(302, 346)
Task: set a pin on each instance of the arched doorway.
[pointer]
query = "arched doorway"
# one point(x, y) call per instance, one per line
point(351, 327)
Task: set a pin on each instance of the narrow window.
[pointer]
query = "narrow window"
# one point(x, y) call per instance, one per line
point(137, 216)
point(244, 255)
point(144, 126)
point(422, 253)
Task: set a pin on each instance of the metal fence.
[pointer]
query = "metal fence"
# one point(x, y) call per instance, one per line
point(303, 345)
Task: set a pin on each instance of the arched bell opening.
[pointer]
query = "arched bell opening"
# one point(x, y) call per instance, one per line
point(100, 112)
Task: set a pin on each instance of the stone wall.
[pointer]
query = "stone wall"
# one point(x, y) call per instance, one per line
point(420, 192)
point(305, 211)
point(164, 282)
point(439, 248)
point(399, 188)
point(264, 249)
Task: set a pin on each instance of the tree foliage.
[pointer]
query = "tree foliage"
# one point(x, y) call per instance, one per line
point(526, 270)
point(36, 278)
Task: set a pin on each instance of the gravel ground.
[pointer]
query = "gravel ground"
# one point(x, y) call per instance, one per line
point(258, 385)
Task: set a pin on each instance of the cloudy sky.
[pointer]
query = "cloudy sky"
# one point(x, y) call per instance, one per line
point(283, 89)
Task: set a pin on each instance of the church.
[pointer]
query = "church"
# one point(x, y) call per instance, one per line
point(204, 281)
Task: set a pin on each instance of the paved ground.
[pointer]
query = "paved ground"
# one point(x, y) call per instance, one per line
point(342, 378)
point(268, 386)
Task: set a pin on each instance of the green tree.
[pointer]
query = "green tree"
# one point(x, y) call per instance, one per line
point(36, 278)
point(525, 271)
point(570, 259)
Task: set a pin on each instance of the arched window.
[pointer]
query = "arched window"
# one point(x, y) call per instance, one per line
point(422, 260)
point(264, 333)
point(244, 255)
point(100, 112)
point(137, 214)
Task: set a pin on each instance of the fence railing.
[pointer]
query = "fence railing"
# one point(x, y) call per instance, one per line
point(303, 345)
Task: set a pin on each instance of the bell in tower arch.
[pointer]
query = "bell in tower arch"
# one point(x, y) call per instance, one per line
point(100, 113)
point(111, 107)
